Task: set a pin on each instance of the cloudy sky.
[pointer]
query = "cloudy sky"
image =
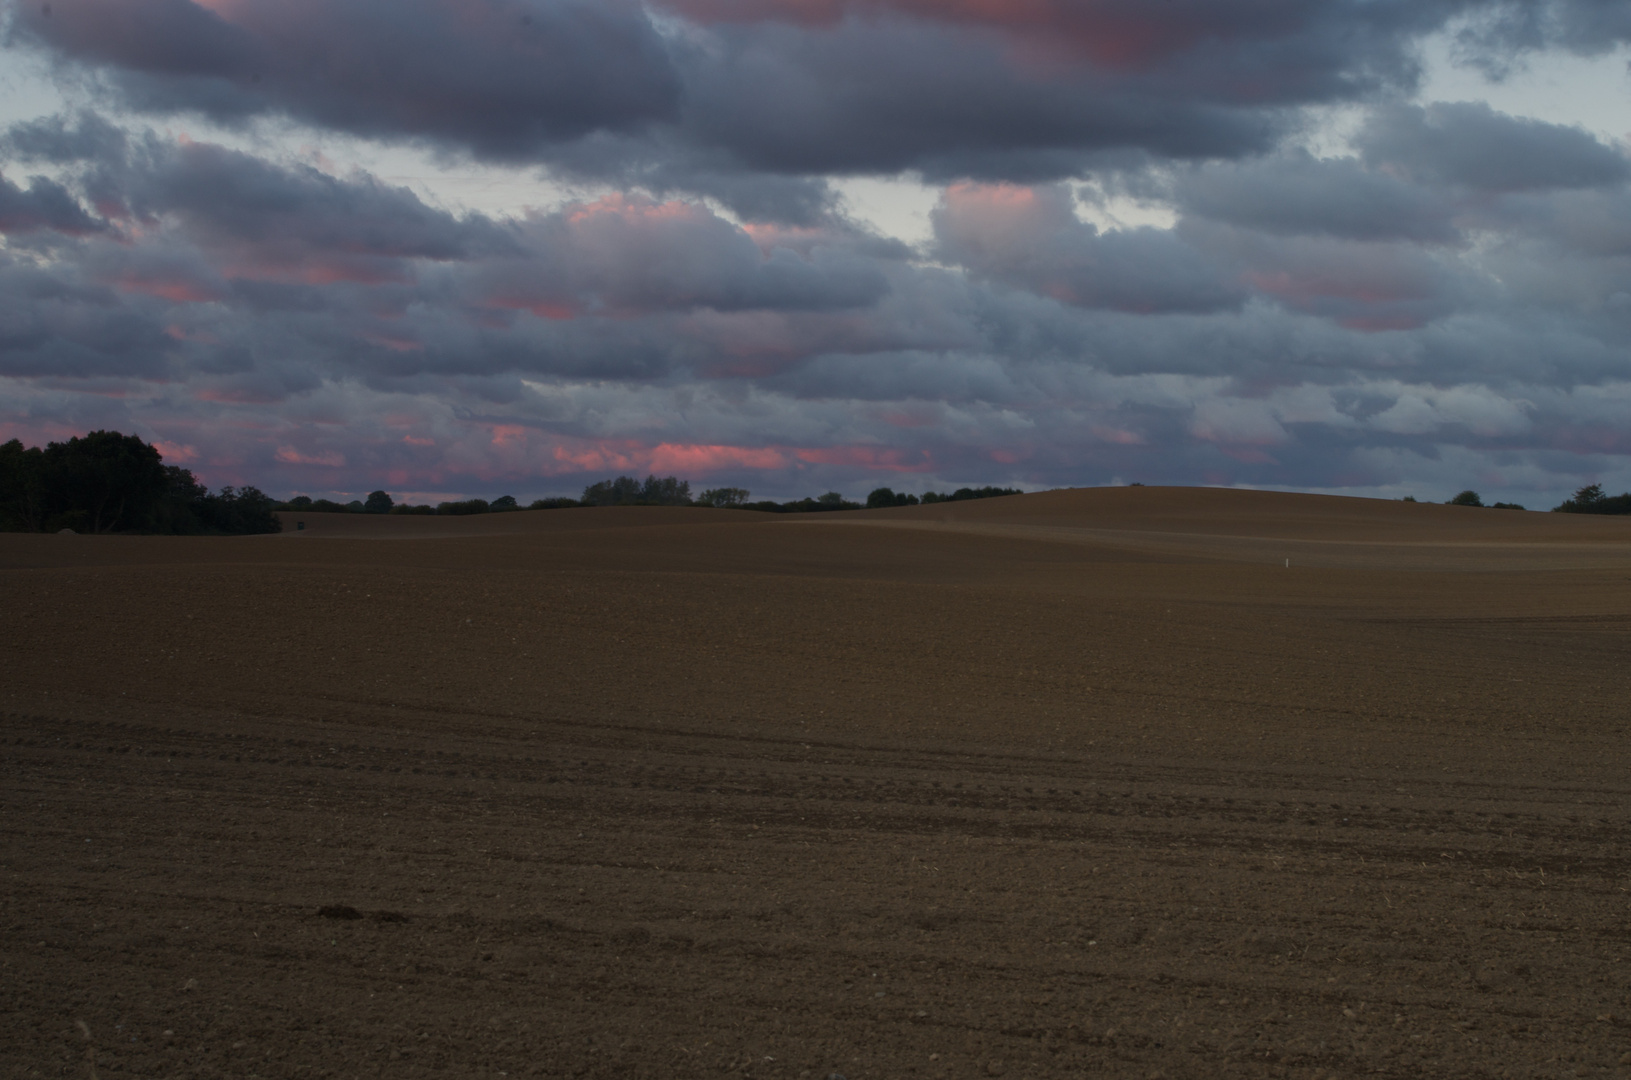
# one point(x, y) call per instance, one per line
point(474, 247)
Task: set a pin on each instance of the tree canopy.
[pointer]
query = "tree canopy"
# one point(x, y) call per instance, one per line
point(1591, 500)
point(108, 482)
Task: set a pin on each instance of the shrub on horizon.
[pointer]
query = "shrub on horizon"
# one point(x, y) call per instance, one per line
point(1465, 498)
point(977, 493)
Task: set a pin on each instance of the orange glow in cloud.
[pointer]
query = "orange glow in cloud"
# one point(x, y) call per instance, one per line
point(181, 333)
point(901, 418)
point(302, 271)
point(395, 344)
point(412, 441)
point(1118, 436)
point(1305, 291)
point(635, 209)
point(554, 309)
point(596, 458)
point(967, 194)
point(507, 435)
point(623, 456)
point(329, 458)
point(678, 457)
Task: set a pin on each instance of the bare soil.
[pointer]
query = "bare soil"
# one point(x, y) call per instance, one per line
point(1082, 783)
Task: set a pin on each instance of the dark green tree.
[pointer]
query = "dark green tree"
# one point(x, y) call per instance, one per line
point(239, 511)
point(625, 490)
point(103, 482)
point(1466, 498)
point(22, 487)
point(724, 497)
point(667, 491)
point(1592, 500)
point(378, 502)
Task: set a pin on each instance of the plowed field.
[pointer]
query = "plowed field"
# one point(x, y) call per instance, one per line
point(1123, 782)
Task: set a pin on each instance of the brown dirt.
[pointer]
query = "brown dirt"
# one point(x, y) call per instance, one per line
point(1080, 783)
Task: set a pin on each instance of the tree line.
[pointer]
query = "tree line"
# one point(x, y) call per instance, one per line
point(106, 482)
point(652, 491)
point(1590, 499)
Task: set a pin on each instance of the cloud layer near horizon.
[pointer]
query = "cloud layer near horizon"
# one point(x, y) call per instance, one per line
point(1442, 304)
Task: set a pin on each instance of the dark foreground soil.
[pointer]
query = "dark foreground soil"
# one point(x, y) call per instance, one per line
point(1080, 785)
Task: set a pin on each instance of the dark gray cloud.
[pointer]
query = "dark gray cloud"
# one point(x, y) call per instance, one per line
point(1470, 144)
point(502, 78)
point(1297, 194)
point(710, 90)
point(298, 216)
point(83, 136)
point(43, 205)
point(53, 325)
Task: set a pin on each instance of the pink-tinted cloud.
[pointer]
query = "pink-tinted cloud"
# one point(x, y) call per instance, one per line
point(695, 458)
point(177, 453)
point(330, 459)
point(176, 290)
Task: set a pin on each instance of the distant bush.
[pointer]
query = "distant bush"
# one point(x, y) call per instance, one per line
point(827, 503)
point(1466, 498)
point(1591, 500)
point(883, 497)
point(467, 506)
point(378, 502)
point(1505, 506)
point(504, 503)
point(552, 504)
point(972, 493)
point(421, 509)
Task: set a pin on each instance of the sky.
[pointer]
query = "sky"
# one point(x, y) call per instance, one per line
point(452, 248)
